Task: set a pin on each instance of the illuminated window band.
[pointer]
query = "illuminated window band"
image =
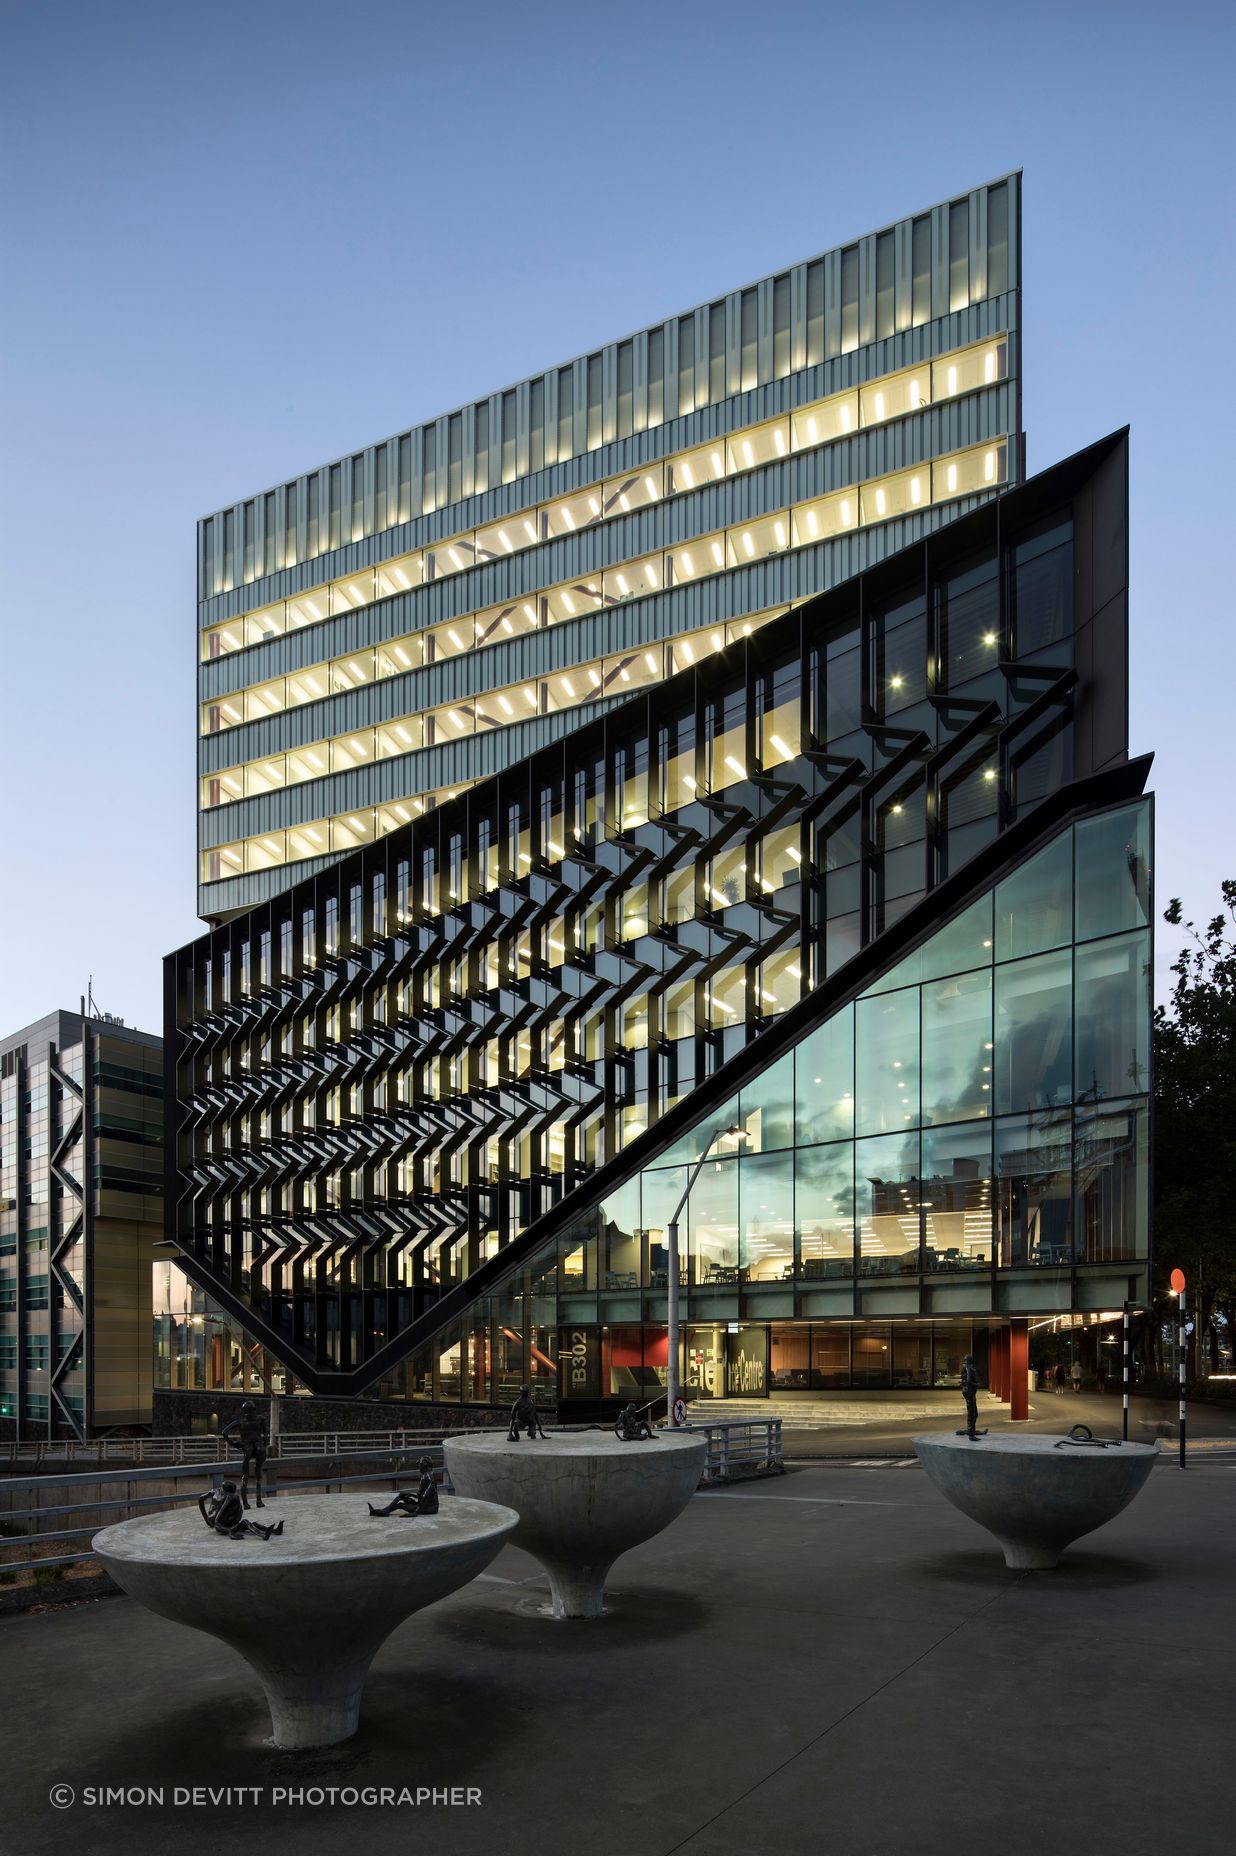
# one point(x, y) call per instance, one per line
point(840, 415)
point(960, 473)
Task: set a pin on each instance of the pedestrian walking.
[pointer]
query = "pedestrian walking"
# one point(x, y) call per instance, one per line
point(1059, 1377)
point(1075, 1375)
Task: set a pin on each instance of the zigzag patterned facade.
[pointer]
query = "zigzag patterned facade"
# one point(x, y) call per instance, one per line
point(381, 1079)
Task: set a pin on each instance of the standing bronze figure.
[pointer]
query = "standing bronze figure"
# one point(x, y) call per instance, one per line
point(224, 1511)
point(524, 1417)
point(421, 1500)
point(969, 1392)
point(252, 1433)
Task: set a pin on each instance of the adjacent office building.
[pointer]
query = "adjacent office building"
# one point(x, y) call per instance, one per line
point(81, 1207)
point(814, 848)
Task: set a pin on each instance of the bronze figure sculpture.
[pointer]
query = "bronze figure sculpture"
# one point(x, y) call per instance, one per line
point(252, 1433)
point(524, 1417)
point(630, 1428)
point(969, 1392)
point(223, 1510)
point(421, 1500)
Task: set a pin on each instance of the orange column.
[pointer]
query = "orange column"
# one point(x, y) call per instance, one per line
point(1019, 1369)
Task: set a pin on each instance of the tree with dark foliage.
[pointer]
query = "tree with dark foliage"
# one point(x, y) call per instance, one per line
point(1195, 1124)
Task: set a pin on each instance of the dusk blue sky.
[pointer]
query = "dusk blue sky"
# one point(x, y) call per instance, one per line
point(242, 239)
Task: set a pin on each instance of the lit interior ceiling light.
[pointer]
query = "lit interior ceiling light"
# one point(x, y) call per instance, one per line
point(402, 655)
point(688, 480)
point(718, 467)
point(456, 640)
point(845, 511)
point(989, 466)
point(989, 637)
point(843, 417)
point(594, 505)
point(896, 682)
point(952, 380)
point(779, 441)
point(625, 674)
point(952, 476)
point(717, 641)
point(686, 651)
point(595, 677)
point(779, 532)
point(796, 854)
point(879, 405)
point(569, 603)
point(402, 732)
point(402, 578)
point(651, 571)
point(989, 365)
point(457, 718)
point(229, 710)
point(568, 686)
point(748, 544)
point(233, 644)
point(880, 502)
point(357, 595)
point(651, 662)
point(989, 774)
point(780, 746)
point(718, 554)
point(530, 697)
point(312, 609)
point(567, 517)
point(507, 626)
point(622, 584)
point(747, 454)
point(506, 541)
point(736, 765)
point(813, 524)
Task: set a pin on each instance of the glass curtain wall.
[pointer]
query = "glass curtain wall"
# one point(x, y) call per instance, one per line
point(982, 1107)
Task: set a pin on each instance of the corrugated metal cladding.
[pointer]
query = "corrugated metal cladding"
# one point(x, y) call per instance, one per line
point(872, 452)
point(435, 464)
point(778, 581)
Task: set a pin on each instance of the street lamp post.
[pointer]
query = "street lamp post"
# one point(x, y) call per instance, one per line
point(735, 1133)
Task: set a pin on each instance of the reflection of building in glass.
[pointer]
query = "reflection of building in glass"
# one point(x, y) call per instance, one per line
point(870, 886)
point(381, 632)
point(81, 1204)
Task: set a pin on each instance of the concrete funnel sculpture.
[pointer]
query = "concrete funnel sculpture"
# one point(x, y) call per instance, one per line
point(582, 1498)
point(1036, 1494)
point(309, 1609)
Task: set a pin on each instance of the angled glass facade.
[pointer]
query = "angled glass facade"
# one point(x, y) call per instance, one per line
point(972, 1127)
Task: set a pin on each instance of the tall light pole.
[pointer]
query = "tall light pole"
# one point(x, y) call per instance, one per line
point(735, 1133)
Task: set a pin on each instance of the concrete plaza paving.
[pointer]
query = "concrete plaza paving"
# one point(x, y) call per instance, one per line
point(833, 1662)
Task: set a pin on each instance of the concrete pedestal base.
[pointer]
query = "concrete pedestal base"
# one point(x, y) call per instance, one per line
point(309, 1609)
point(1034, 1497)
point(582, 1498)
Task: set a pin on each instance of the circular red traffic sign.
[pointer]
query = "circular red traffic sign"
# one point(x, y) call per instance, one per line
point(680, 1411)
point(1178, 1281)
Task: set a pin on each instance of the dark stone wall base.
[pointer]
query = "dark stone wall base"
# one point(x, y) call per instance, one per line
point(184, 1414)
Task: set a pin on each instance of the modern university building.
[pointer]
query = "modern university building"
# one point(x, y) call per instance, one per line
point(713, 747)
